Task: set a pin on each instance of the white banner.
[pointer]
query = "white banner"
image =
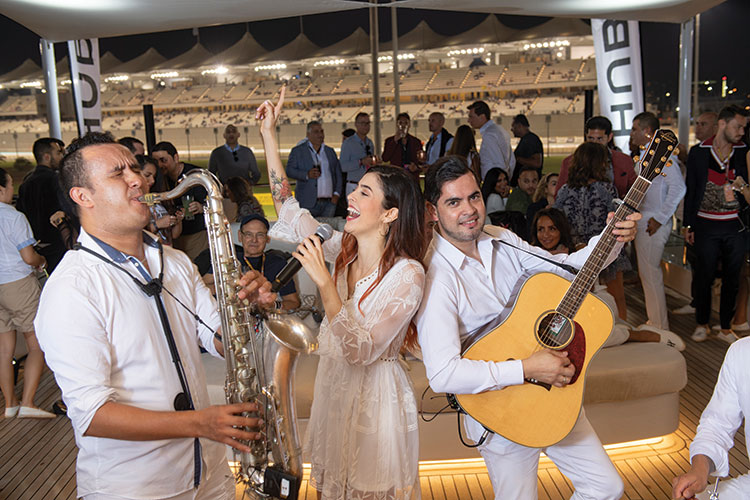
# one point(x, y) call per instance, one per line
point(617, 45)
point(84, 74)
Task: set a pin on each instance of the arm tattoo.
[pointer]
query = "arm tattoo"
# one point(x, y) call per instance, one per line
point(280, 189)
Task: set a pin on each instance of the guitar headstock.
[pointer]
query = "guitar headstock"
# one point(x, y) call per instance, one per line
point(655, 157)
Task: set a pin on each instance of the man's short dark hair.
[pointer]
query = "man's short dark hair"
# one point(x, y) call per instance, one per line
point(165, 146)
point(647, 120)
point(360, 115)
point(528, 168)
point(348, 133)
point(312, 124)
point(729, 112)
point(130, 142)
point(43, 146)
point(72, 169)
point(598, 123)
point(521, 118)
point(480, 108)
point(446, 169)
point(403, 115)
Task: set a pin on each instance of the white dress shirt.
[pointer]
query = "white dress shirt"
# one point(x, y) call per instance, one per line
point(103, 339)
point(463, 295)
point(664, 195)
point(433, 154)
point(495, 151)
point(729, 406)
point(325, 181)
point(15, 235)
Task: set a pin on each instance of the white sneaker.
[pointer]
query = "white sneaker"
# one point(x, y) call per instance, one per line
point(730, 338)
point(686, 309)
point(665, 336)
point(742, 327)
point(29, 412)
point(700, 334)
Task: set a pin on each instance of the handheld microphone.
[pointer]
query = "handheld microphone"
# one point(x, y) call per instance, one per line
point(324, 232)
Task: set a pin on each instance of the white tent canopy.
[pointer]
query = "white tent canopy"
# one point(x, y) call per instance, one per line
point(57, 20)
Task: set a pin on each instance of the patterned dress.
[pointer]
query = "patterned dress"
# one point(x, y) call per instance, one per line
point(587, 209)
point(362, 437)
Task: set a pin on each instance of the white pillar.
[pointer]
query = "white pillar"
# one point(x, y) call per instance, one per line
point(396, 76)
point(686, 77)
point(375, 76)
point(50, 84)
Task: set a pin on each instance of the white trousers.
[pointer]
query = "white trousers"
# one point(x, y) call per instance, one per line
point(580, 456)
point(649, 249)
point(729, 489)
point(217, 483)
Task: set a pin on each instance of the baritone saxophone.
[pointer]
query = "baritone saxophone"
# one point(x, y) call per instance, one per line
point(261, 351)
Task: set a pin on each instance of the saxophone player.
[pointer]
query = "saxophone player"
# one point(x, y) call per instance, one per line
point(120, 322)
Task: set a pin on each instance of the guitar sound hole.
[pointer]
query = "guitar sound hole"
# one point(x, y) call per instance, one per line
point(554, 330)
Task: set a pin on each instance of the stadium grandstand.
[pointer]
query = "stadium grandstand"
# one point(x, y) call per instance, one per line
point(196, 94)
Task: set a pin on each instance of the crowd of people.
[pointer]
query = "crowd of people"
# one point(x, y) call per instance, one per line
point(415, 269)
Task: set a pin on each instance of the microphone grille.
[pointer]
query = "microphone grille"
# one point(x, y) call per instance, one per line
point(324, 232)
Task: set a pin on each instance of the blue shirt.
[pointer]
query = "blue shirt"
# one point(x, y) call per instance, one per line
point(352, 150)
point(15, 235)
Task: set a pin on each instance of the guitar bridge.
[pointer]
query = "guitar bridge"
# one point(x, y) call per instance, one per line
point(540, 384)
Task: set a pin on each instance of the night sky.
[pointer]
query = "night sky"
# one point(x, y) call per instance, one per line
point(723, 37)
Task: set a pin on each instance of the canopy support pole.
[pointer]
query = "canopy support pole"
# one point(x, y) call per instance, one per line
point(374, 35)
point(396, 75)
point(50, 84)
point(686, 75)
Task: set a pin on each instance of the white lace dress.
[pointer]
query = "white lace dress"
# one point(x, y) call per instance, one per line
point(362, 436)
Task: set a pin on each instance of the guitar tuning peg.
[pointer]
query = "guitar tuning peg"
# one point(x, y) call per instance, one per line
point(642, 147)
point(676, 151)
point(663, 174)
point(669, 163)
point(670, 147)
point(637, 159)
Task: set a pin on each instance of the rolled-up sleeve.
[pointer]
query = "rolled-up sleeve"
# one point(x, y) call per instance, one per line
point(722, 417)
point(437, 327)
point(76, 348)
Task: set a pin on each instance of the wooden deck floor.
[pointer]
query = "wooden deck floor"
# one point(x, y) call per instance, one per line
point(37, 458)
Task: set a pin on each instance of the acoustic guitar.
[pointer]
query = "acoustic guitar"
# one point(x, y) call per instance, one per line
point(551, 312)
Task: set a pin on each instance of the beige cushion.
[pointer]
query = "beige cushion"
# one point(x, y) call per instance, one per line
point(633, 371)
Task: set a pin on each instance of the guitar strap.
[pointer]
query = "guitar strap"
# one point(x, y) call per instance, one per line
point(565, 267)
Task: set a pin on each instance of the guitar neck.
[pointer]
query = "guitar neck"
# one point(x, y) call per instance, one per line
point(589, 273)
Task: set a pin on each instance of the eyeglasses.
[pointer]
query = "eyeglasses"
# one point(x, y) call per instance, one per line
point(234, 154)
point(253, 236)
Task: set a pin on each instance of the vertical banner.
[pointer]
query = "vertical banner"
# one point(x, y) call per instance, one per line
point(618, 74)
point(84, 74)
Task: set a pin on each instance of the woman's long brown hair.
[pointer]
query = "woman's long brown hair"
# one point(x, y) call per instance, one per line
point(590, 161)
point(406, 235)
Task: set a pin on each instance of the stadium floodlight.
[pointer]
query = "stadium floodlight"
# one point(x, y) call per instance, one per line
point(65, 82)
point(35, 84)
point(219, 70)
point(270, 67)
point(166, 74)
point(117, 78)
point(337, 62)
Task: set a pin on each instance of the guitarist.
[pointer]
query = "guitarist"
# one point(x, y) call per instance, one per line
point(470, 279)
